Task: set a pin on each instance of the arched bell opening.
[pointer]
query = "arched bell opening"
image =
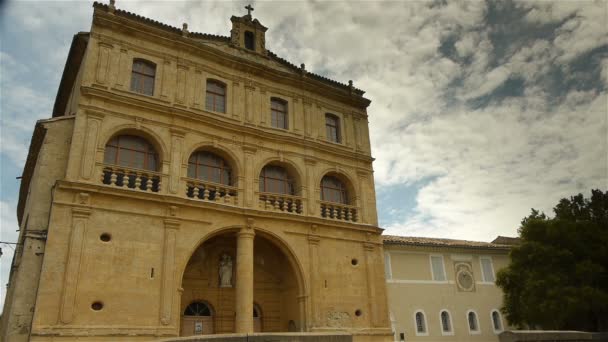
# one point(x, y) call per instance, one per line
point(210, 277)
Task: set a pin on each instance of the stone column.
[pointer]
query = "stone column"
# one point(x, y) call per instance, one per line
point(244, 280)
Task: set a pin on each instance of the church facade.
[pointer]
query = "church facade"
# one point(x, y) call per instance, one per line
point(193, 184)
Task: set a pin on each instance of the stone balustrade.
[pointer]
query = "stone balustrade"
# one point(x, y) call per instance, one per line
point(338, 211)
point(131, 178)
point(281, 202)
point(210, 192)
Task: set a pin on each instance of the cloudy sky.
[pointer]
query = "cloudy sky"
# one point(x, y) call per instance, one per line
point(480, 110)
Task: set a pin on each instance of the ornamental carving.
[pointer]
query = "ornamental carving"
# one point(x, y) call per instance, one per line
point(465, 281)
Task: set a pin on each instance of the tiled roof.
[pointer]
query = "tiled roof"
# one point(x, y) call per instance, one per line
point(433, 242)
point(226, 39)
point(507, 240)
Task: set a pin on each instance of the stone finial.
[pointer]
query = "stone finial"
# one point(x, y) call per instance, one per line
point(303, 69)
point(184, 29)
point(350, 86)
point(112, 6)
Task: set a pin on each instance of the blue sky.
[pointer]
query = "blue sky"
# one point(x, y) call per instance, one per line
point(481, 110)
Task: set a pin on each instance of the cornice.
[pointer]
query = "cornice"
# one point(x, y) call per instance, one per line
point(173, 37)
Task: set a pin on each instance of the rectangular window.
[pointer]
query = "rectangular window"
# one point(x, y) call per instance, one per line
point(332, 128)
point(387, 266)
point(215, 98)
point(437, 268)
point(487, 269)
point(278, 110)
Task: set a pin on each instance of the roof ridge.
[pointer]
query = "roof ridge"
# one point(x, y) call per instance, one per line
point(430, 241)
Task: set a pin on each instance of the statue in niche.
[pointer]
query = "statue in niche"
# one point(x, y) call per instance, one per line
point(226, 271)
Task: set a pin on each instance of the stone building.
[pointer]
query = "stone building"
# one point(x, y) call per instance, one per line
point(190, 183)
point(443, 290)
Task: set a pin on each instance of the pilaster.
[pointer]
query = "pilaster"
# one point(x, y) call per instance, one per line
point(80, 218)
point(172, 225)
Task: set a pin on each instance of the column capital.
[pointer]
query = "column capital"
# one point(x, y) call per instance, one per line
point(81, 212)
point(172, 224)
point(368, 246)
point(246, 233)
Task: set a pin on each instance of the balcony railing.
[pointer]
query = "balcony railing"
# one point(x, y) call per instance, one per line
point(210, 192)
point(338, 211)
point(281, 202)
point(131, 178)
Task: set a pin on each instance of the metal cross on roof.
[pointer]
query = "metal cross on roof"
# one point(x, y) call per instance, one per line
point(249, 9)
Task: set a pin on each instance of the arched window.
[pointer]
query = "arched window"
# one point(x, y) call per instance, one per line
point(333, 190)
point(276, 179)
point(142, 77)
point(496, 321)
point(473, 324)
point(215, 99)
point(131, 151)
point(210, 167)
point(332, 128)
point(278, 110)
point(420, 323)
point(198, 309)
point(446, 322)
point(249, 40)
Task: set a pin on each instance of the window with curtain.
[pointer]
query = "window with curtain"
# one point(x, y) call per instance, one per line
point(209, 167)
point(278, 113)
point(131, 151)
point(332, 128)
point(276, 179)
point(142, 77)
point(333, 190)
point(215, 97)
point(487, 270)
point(437, 268)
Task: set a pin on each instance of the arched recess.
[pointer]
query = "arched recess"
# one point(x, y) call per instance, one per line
point(198, 318)
point(346, 179)
point(292, 168)
point(219, 149)
point(206, 256)
point(141, 131)
point(342, 175)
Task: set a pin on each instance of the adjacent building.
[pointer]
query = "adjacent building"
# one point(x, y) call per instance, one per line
point(443, 290)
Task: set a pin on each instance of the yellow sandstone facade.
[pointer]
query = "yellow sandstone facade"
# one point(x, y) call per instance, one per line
point(195, 184)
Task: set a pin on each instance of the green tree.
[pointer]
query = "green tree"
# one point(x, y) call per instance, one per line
point(558, 275)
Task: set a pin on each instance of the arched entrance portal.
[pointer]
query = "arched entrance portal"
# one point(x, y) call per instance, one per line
point(210, 278)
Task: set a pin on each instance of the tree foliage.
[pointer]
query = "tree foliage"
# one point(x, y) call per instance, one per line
point(558, 275)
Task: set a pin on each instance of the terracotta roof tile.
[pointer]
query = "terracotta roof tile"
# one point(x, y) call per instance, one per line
point(433, 242)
